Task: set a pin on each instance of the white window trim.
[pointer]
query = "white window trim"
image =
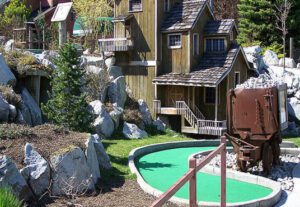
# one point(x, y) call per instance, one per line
point(177, 46)
point(235, 73)
point(166, 9)
point(198, 44)
point(225, 43)
point(219, 94)
point(132, 11)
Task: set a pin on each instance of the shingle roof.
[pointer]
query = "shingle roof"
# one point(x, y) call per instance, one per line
point(223, 26)
point(211, 70)
point(183, 15)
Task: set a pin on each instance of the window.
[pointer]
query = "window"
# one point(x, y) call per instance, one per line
point(135, 5)
point(196, 44)
point(174, 41)
point(166, 5)
point(210, 95)
point(215, 45)
point(237, 79)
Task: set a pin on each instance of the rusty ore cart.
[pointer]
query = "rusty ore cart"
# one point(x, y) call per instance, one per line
point(255, 119)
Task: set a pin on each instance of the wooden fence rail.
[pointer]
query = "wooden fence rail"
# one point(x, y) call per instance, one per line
point(194, 166)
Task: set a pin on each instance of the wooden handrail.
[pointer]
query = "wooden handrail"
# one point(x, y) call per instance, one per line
point(191, 176)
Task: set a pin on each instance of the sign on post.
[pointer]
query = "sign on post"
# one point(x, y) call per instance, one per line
point(60, 15)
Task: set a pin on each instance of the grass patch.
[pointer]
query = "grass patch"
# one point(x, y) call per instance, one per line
point(7, 199)
point(295, 140)
point(119, 149)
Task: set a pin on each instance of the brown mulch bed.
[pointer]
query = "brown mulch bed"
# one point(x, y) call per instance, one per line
point(46, 139)
point(117, 193)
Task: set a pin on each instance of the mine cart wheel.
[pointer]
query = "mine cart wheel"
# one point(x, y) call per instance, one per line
point(267, 158)
point(241, 164)
point(276, 152)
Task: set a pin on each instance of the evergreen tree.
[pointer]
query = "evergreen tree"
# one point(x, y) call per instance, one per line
point(257, 22)
point(67, 105)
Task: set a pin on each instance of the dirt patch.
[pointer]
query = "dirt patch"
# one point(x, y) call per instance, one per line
point(117, 193)
point(46, 139)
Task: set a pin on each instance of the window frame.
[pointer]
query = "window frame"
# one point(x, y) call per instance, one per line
point(137, 10)
point(212, 40)
point(205, 100)
point(166, 7)
point(235, 80)
point(197, 51)
point(174, 46)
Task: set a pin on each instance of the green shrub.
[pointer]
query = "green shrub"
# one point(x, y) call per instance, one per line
point(10, 96)
point(27, 60)
point(8, 199)
point(275, 47)
point(67, 105)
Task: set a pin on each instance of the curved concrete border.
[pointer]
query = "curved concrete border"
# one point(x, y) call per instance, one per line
point(270, 200)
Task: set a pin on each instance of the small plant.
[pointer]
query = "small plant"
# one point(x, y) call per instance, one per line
point(27, 60)
point(8, 199)
point(12, 131)
point(10, 96)
point(133, 116)
point(96, 85)
point(67, 105)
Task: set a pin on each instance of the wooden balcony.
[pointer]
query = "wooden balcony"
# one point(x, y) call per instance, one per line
point(115, 44)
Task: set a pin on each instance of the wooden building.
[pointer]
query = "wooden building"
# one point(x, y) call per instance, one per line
point(177, 56)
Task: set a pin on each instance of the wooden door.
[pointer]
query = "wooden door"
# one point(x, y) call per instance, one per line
point(174, 93)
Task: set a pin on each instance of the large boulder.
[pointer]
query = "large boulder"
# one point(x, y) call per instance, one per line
point(131, 131)
point(114, 72)
point(289, 62)
point(94, 60)
point(103, 158)
point(116, 114)
point(24, 115)
point(146, 115)
point(12, 113)
point(11, 177)
point(71, 173)
point(298, 65)
point(253, 55)
point(36, 171)
point(4, 109)
point(159, 125)
point(117, 91)
point(103, 123)
point(34, 109)
point(92, 160)
point(109, 62)
point(294, 108)
point(9, 45)
point(92, 69)
point(6, 76)
point(271, 58)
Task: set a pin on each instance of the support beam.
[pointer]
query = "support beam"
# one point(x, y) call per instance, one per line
point(216, 102)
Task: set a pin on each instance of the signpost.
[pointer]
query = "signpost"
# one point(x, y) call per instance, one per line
point(60, 15)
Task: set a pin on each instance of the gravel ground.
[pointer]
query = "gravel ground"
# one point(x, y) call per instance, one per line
point(117, 193)
point(281, 173)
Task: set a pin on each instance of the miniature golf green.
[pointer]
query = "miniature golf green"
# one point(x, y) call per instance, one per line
point(163, 168)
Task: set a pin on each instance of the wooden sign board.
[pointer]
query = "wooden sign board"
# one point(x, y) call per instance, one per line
point(61, 12)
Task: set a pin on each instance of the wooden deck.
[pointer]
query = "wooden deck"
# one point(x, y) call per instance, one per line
point(115, 44)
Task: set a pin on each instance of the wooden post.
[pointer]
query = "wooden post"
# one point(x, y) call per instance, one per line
point(193, 183)
point(216, 105)
point(223, 173)
point(30, 38)
point(291, 47)
point(62, 33)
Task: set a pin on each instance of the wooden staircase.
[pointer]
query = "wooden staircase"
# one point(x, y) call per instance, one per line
point(198, 123)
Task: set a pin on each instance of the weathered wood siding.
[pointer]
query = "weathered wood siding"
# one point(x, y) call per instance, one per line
point(142, 29)
point(139, 80)
point(199, 29)
point(240, 65)
point(175, 60)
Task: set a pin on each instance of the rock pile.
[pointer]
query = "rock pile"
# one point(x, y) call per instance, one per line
point(70, 171)
point(282, 173)
point(263, 81)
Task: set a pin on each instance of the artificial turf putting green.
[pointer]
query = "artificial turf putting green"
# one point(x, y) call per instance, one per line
point(162, 169)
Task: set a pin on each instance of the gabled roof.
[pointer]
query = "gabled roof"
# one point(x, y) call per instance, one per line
point(209, 73)
point(183, 15)
point(223, 26)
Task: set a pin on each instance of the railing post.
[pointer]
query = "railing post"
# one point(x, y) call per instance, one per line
point(223, 172)
point(193, 183)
